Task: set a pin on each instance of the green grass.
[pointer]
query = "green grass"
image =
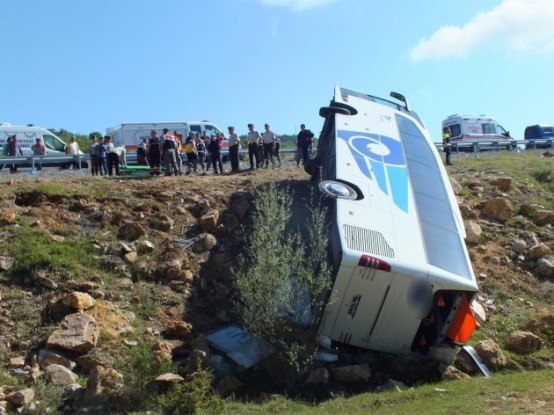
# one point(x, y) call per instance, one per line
point(513, 393)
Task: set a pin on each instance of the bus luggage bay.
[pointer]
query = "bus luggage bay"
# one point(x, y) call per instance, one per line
point(403, 279)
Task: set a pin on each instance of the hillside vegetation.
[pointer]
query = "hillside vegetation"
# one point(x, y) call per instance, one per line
point(109, 286)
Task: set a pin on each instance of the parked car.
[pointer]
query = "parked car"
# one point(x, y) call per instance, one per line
point(541, 132)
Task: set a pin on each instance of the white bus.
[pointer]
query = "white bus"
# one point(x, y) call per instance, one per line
point(403, 280)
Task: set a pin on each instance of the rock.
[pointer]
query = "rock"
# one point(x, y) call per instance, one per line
point(77, 333)
point(197, 359)
point(530, 237)
point(7, 217)
point(6, 263)
point(171, 270)
point(209, 220)
point(22, 397)
point(178, 329)
point(518, 245)
point(95, 357)
point(16, 362)
point(352, 374)
point(491, 354)
point(541, 324)
point(144, 247)
point(163, 223)
point(545, 267)
point(451, 373)
point(227, 386)
point(168, 379)
point(523, 342)
point(318, 376)
point(230, 221)
point(163, 350)
point(60, 375)
point(392, 386)
point(539, 251)
point(58, 238)
point(498, 208)
point(79, 301)
point(103, 382)
point(456, 186)
point(130, 257)
point(131, 231)
point(208, 241)
point(473, 232)
point(50, 357)
point(240, 208)
point(544, 217)
point(73, 393)
point(200, 343)
point(479, 312)
point(46, 282)
point(124, 283)
point(503, 183)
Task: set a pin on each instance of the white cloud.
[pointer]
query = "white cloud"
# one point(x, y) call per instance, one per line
point(519, 25)
point(297, 5)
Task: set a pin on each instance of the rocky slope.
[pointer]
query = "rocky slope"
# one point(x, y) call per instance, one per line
point(91, 268)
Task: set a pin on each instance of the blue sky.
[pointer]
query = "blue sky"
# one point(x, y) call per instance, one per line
point(91, 64)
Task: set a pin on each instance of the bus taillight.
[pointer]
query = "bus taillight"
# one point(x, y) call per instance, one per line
point(375, 263)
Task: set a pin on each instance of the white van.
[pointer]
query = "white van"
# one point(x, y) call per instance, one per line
point(471, 128)
point(26, 137)
point(130, 135)
point(403, 281)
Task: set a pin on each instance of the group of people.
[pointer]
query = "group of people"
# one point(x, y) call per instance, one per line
point(203, 151)
point(105, 157)
point(13, 149)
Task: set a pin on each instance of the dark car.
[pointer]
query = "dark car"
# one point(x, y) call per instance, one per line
point(542, 133)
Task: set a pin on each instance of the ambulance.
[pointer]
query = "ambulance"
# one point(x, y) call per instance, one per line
point(472, 128)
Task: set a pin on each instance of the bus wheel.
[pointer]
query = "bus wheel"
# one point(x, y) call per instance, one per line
point(312, 167)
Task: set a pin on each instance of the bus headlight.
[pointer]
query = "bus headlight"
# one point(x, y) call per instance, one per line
point(337, 190)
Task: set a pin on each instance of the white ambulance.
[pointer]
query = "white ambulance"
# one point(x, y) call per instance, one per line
point(130, 135)
point(472, 128)
point(26, 137)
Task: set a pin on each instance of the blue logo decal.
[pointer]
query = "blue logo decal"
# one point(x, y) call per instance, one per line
point(384, 157)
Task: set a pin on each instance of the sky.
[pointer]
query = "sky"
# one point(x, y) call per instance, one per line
point(89, 65)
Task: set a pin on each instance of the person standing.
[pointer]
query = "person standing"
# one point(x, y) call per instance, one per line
point(113, 158)
point(101, 156)
point(276, 150)
point(268, 138)
point(200, 150)
point(73, 149)
point(141, 152)
point(214, 148)
point(252, 139)
point(446, 134)
point(40, 151)
point(92, 153)
point(191, 153)
point(234, 147)
point(169, 147)
point(303, 142)
point(154, 154)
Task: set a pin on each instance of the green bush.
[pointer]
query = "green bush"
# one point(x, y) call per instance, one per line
point(283, 280)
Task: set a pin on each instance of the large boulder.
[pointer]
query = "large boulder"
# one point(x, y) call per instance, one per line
point(77, 333)
point(103, 382)
point(209, 220)
point(498, 208)
point(491, 354)
point(21, 397)
point(503, 183)
point(473, 232)
point(545, 267)
point(544, 217)
point(48, 357)
point(79, 301)
point(541, 324)
point(60, 375)
point(523, 342)
point(539, 251)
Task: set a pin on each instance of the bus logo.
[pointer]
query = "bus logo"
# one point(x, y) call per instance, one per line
point(380, 158)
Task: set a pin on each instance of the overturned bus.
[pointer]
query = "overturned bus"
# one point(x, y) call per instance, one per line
point(403, 280)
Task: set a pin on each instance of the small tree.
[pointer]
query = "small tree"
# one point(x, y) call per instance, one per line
point(283, 281)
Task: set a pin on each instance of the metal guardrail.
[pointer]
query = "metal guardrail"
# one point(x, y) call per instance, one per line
point(496, 145)
point(43, 160)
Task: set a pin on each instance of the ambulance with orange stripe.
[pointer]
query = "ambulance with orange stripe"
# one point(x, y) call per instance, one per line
point(130, 135)
point(403, 280)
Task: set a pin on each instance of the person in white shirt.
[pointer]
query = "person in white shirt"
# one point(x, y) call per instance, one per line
point(234, 147)
point(252, 139)
point(268, 138)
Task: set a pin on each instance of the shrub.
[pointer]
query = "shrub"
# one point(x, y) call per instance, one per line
point(282, 280)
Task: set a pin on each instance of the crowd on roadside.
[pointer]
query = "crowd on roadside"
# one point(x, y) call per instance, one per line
point(198, 152)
